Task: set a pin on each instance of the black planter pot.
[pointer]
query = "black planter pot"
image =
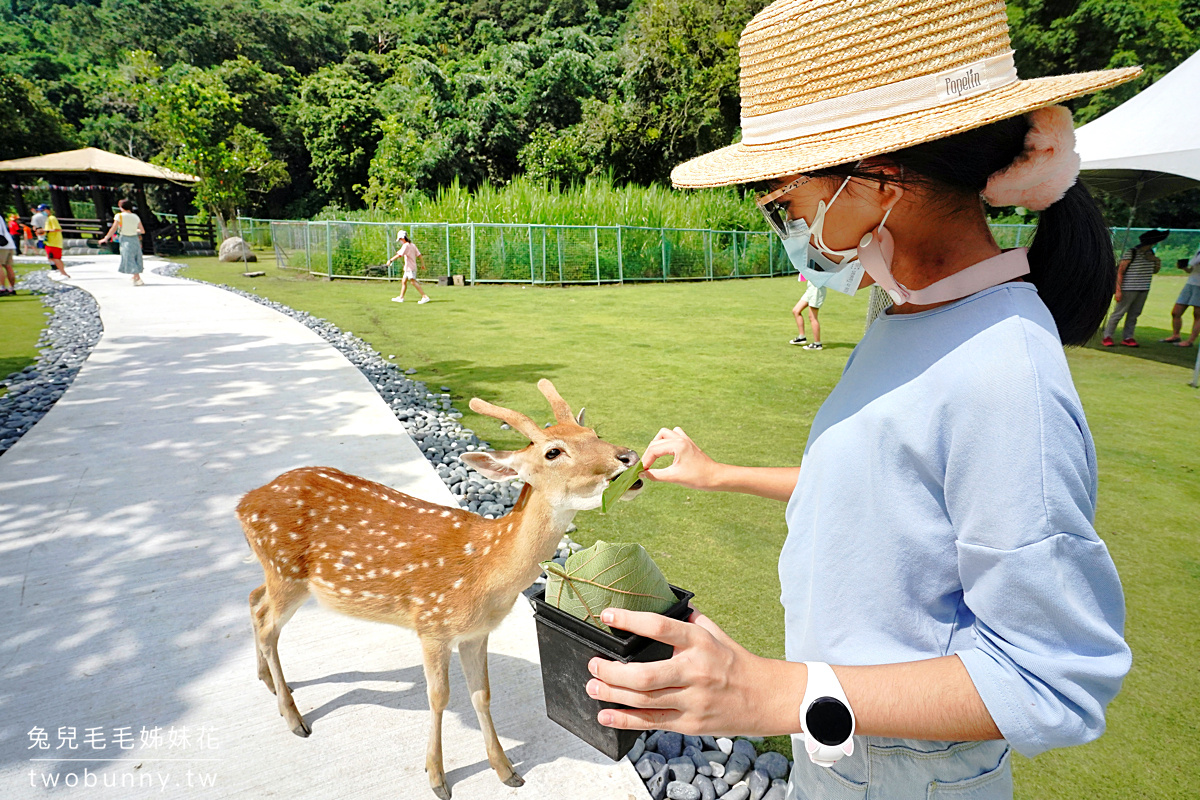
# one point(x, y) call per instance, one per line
point(567, 644)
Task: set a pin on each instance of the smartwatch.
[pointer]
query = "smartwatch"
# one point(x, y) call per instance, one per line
point(825, 716)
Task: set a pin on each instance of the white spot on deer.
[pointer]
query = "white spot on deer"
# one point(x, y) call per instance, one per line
point(441, 562)
point(358, 566)
point(410, 567)
point(425, 564)
point(507, 528)
point(322, 475)
point(458, 524)
point(417, 600)
point(386, 571)
point(293, 536)
point(447, 610)
point(339, 565)
point(364, 523)
point(295, 568)
point(469, 549)
point(254, 517)
point(446, 513)
point(344, 590)
point(440, 597)
point(487, 549)
point(458, 584)
point(348, 552)
point(433, 610)
point(371, 573)
point(326, 519)
point(299, 501)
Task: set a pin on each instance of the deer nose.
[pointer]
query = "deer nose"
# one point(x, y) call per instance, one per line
point(627, 457)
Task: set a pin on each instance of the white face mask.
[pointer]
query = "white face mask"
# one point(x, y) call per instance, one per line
point(809, 255)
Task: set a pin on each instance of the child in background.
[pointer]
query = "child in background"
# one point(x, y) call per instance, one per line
point(811, 301)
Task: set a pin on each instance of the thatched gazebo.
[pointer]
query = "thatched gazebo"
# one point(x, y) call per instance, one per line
point(100, 175)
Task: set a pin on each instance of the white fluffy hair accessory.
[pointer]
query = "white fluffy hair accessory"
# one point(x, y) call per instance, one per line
point(1045, 169)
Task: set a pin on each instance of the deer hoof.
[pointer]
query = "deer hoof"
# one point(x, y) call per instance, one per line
point(302, 730)
point(514, 780)
point(442, 792)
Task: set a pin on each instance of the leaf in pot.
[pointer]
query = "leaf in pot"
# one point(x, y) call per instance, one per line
point(620, 486)
point(607, 576)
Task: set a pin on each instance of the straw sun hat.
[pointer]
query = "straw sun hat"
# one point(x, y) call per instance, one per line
point(825, 82)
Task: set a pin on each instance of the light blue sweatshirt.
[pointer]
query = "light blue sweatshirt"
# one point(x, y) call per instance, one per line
point(945, 505)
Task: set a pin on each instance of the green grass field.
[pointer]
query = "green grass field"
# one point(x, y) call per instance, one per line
point(22, 317)
point(713, 358)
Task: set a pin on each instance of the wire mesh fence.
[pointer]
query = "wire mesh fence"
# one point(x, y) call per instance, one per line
point(568, 254)
point(507, 253)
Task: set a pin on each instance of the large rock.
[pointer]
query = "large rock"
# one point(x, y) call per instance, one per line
point(235, 249)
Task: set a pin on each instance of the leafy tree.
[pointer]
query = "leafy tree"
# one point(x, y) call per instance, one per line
point(340, 123)
point(31, 125)
point(198, 118)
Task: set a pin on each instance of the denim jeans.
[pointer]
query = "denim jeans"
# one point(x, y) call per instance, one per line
point(906, 769)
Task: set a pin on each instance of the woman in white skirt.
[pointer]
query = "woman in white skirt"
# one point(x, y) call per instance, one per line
point(129, 226)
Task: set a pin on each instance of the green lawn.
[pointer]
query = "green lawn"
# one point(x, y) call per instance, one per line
point(22, 317)
point(713, 358)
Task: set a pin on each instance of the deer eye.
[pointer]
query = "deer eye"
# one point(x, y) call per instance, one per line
point(553, 453)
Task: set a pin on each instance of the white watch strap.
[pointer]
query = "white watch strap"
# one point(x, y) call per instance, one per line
point(822, 682)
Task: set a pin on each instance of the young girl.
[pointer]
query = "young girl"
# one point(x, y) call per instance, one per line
point(129, 226)
point(941, 553)
point(409, 252)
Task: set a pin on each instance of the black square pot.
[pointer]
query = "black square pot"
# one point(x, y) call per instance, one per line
point(567, 644)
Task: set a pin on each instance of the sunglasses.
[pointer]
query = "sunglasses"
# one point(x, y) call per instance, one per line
point(774, 212)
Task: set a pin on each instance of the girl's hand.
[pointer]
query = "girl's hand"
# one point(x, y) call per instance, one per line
point(691, 467)
point(711, 685)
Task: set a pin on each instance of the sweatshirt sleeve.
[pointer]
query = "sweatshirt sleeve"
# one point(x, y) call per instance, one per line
point(1048, 608)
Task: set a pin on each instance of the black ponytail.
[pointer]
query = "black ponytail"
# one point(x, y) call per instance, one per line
point(1071, 264)
point(1070, 258)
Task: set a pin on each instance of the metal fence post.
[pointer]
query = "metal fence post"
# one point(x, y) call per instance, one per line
point(736, 255)
point(532, 274)
point(662, 235)
point(770, 255)
point(620, 258)
point(558, 237)
point(596, 243)
point(329, 249)
point(472, 224)
point(708, 253)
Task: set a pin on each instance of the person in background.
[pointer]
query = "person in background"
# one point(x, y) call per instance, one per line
point(37, 221)
point(1190, 296)
point(409, 252)
point(1138, 265)
point(8, 249)
point(129, 226)
point(811, 301)
point(54, 240)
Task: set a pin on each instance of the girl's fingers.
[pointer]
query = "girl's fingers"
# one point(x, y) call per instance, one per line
point(639, 677)
point(659, 698)
point(654, 626)
point(636, 719)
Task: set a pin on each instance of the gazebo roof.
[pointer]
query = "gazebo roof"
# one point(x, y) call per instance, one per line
point(93, 161)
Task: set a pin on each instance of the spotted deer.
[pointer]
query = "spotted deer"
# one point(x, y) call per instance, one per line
point(370, 551)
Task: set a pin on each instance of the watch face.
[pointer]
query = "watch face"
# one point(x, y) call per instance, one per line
point(828, 721)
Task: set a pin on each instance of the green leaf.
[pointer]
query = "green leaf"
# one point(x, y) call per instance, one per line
point(619, 486)
point(607, 576)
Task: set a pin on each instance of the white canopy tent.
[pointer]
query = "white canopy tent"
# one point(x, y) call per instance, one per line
point(1149, 146)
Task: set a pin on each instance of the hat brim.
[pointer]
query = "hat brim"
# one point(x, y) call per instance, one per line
point(743, 163)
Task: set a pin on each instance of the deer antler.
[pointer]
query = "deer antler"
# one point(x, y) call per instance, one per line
point(562, 411)
point(516, 419)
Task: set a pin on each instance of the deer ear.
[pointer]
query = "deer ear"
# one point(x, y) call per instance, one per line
point(491, 465)
point(579, 417)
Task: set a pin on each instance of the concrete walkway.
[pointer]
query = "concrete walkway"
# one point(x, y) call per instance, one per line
point(123, 583)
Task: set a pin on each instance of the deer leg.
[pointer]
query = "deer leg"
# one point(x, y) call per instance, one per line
point(278, 608)
point(437, 681)
point(473, 654)
point(258, 613)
